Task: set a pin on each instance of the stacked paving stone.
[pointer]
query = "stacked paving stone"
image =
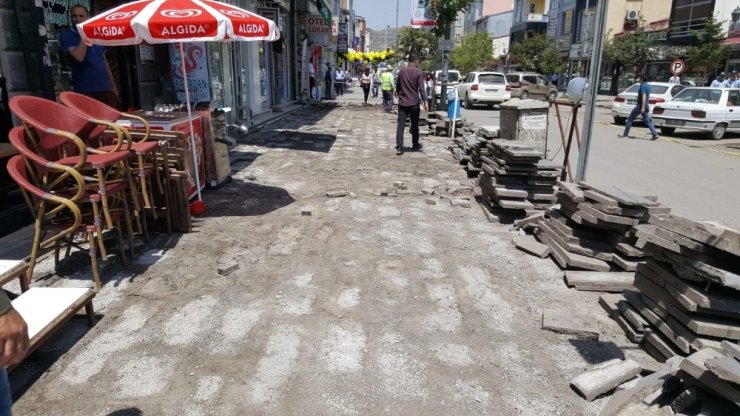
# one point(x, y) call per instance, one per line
point(688, 296)
point(592, 227)
point(515, 180)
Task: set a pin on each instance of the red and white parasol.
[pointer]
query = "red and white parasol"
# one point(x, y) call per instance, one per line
point(169, 21)
point(177, 21)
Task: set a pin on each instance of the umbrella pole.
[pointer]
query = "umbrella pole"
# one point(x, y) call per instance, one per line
point(190, 119)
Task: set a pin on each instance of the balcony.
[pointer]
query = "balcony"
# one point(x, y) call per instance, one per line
point(532, 18)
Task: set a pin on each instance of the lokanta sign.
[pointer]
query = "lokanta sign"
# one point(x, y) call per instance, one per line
point(316, 25)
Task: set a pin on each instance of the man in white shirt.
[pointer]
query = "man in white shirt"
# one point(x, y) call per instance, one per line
point(720, 81)
point(339, 78)
point(312, 80)
point(674, 80)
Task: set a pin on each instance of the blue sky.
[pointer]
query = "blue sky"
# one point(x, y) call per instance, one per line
point(380, 13)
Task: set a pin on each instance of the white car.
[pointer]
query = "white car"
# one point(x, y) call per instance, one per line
point(660, 92)
point(453, 78)
point(487, 88)
point(712, 110)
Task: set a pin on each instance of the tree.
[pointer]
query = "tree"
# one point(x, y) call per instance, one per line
point(636, 48)
point(420, 41)
point(445, 12)
point(539, 54)
point(709, 48)
point(475, 52)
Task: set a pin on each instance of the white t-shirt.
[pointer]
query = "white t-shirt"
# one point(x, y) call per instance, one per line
point(674, 80)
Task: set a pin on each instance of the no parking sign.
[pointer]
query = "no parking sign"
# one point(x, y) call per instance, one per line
point(677, 67)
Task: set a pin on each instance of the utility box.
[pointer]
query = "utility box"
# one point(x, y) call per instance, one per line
point(525, 121)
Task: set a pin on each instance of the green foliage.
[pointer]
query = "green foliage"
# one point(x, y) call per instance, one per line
point(420, 41)
point(636, 48)
point(445, 11)
point(474, 52)
point(709, 48)
point(539, 54)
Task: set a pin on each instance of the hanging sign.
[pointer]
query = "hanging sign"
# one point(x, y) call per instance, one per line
point(421, 15)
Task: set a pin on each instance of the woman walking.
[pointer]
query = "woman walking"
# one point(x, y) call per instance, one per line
point(365, 81)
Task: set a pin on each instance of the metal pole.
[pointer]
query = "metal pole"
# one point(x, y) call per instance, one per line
point(593, 80)
point(445, 73)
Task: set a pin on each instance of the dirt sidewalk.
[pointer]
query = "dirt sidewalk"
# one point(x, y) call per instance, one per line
point(369, 305)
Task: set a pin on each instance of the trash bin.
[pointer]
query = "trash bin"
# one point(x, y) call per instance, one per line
point(453, 109)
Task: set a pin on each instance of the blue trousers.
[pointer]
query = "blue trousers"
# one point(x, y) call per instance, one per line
point(645, 119)
point(6, 401)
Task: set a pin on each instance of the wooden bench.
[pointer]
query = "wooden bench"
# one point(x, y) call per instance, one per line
point(46, 309)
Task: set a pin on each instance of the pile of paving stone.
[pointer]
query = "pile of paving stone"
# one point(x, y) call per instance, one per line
point(592, 227)
point(704, 383)
point(688, 292)
point(515, 181)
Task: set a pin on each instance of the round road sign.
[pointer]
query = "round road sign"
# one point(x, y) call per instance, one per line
point(677, 67)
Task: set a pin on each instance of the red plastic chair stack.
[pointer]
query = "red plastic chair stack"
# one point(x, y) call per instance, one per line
point(144, 152)
point(62, 204)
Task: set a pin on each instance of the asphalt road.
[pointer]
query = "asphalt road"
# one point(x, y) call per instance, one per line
point(697, 177)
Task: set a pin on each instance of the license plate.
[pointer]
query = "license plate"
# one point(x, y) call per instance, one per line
point(631, 102)
point(491, 90)
point(675, 122)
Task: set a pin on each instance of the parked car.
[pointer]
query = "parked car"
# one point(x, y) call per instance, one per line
point(530, 85)
point(711, 110)
point(486, 88)
point(453, 78)
point(660, 92)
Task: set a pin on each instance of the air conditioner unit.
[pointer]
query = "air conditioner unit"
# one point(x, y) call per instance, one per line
point(632, 15)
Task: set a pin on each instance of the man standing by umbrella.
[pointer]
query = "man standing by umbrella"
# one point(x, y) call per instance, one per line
point(91, 74)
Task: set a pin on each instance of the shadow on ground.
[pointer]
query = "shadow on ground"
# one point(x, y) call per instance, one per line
point(240, 199)
point(597, 351)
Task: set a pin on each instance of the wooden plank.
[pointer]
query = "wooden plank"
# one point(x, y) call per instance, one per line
point(529, 245)
point(694, 365)
point(625, 263)
point(715, 235)
point(573, 191)
point(572, 259)
point(613, 219)
point(597, 280)
point(707, 271)
point(600, 198)
point(623, 196)
point(726, 368)
point(573, 247)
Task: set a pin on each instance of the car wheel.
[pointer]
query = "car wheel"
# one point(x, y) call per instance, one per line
point(467, 104)
point(718, 131)
point(552, 96)
point(619, 120)
point(524, 95)
point(667, 130)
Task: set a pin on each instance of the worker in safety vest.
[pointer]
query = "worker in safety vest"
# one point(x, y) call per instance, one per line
point(386, 85)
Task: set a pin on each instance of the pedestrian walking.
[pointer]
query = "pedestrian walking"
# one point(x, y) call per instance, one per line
point(386, 86)
point(429, 88)
point(642, 108)
point(339, 77)
point(328, 82)
point(411, 92)
point(91, 74)
point(365, 80)
point(376, 84)
point(313, 91)
point(554, 78)
point(674, 80)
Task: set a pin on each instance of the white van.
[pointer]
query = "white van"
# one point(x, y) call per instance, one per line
point(453, 78)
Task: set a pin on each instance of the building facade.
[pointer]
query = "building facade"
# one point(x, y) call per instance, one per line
point(529, 19)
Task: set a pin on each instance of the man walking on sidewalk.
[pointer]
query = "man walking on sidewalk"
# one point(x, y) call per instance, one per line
point(386, 86)
point(641, 109)
point(411, 93)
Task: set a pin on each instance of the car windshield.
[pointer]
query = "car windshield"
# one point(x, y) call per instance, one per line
point(491, 79)
point(452, 76)
point(699, 95)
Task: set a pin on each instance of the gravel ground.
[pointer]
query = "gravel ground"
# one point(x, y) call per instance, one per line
point(370, 305)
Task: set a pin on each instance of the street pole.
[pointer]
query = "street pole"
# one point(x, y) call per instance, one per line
point(445, 67)
point(593, 80)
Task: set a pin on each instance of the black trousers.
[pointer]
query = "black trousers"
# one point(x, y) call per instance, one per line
point(366, 91)
point(413, 112)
